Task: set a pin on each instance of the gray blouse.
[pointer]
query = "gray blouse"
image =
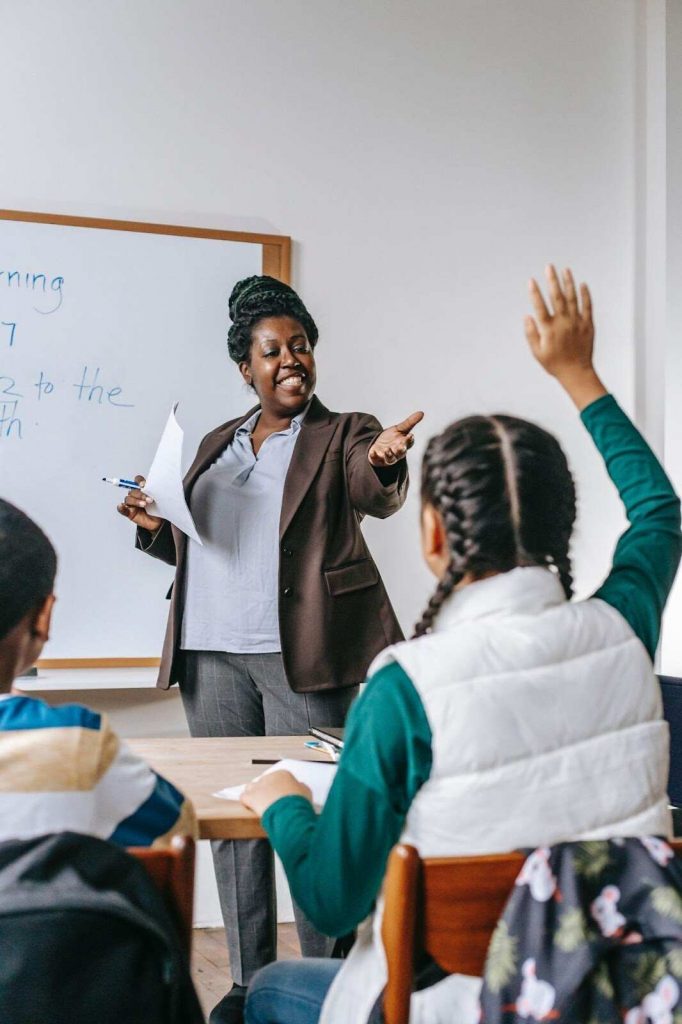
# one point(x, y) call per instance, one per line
point(231, 583)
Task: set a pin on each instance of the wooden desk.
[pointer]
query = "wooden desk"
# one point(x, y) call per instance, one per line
point(200, 767)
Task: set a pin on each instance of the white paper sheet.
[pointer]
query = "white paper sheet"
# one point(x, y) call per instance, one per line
point(164, 480)
point(319, 775)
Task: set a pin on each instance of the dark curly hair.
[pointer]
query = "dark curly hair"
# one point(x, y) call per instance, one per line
point(255, 298)
point(506, 496)
point(28, 564)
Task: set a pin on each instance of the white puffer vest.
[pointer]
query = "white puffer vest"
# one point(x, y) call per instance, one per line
point(546, 724)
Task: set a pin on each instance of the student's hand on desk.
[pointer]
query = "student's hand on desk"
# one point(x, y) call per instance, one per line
point(266, 789)
point(393, 443)
point(561, 336)
point(133, 507)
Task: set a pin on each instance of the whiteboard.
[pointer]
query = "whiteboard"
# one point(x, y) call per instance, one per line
point(102, 328)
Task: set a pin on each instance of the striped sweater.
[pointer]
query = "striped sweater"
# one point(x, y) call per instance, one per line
point(65, 768)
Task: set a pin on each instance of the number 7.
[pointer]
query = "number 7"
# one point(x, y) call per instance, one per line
point(12, 327)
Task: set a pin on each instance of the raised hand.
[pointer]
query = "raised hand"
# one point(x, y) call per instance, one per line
point(393, 444)
point(134, 506)
point(561, 336)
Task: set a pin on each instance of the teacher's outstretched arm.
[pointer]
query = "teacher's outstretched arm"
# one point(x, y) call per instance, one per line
point(393, 443)
point(377, 467)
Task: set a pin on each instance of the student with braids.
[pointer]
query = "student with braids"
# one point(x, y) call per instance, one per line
point(276, 617)
point(514, 717)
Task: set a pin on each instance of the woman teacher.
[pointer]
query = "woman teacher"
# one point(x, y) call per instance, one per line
point(276, 617)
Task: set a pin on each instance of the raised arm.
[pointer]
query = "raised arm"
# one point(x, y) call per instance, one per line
point(648, 553)
point(561, 337)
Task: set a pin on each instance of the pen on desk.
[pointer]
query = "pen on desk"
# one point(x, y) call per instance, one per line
point(324, 746)
point(130, 484)
point(276, 760)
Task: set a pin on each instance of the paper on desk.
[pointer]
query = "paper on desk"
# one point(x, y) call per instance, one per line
point(164, 480)
point(318, 775)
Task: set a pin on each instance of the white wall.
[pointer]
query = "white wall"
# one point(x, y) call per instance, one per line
point(672, 390)
point(426, 158)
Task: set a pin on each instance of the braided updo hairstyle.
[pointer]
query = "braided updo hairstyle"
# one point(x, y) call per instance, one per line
point(255, 298)
point(506, 497)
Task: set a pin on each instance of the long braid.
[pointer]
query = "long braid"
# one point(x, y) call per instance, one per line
point(563, 567)
point(549, 502)
point(442, 485)
point(445, 587)
point(506, 497)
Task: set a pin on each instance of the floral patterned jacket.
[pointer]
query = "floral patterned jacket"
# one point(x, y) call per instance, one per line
point(592, 934)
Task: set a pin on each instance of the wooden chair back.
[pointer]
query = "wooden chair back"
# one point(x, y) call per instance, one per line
point(445, 907)
point(171, 869)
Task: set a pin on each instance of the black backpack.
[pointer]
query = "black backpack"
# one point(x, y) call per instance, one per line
point(85, 938)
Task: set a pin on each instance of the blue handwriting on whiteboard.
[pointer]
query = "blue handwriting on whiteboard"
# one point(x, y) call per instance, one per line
point(40, 283)
point(94, 392)
point(7, 386)
point(12, 330)
point(9, 422)
point(45, 386)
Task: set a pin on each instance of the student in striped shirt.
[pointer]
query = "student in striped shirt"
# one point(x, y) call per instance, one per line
point(64, 768)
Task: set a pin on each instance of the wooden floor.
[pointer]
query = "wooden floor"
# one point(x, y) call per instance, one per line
point(210, 966)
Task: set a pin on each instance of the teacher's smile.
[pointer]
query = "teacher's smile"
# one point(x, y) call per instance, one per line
point(293, 381)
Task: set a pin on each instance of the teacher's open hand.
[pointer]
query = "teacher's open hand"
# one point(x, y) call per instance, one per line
point(393, 443)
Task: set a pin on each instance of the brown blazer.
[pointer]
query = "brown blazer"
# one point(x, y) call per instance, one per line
point(334, 612)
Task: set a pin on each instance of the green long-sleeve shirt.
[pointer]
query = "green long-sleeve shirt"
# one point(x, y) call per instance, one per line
point(335, 861)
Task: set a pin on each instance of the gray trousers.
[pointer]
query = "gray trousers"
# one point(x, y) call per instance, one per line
point(248, 695)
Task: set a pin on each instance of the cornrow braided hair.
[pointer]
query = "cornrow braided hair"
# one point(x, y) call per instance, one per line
point(255, 298)
point(507, 498)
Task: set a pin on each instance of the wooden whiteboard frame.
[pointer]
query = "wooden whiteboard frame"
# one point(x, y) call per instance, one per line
point(276, 248)
point(276, 261)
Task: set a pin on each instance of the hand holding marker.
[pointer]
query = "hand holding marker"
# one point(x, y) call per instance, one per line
point(120, 482)
point(135, 503)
